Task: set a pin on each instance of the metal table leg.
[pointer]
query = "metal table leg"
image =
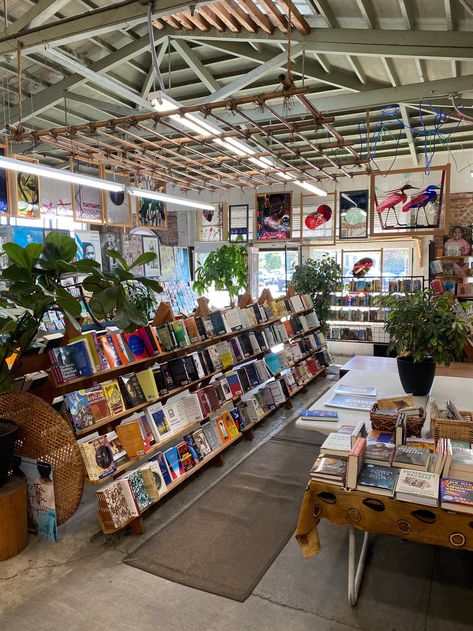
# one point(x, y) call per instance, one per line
point(355, 575)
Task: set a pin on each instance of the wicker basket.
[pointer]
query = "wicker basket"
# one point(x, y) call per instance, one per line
point(456, 430)
point(387, 422)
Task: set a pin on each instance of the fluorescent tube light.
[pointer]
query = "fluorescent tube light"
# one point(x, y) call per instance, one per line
point(286, 176)
point(58, 174)
point(180, 201)
point(162, 102)
point(311, 188)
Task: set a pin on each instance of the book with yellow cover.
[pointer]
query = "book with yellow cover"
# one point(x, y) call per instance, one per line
point(148, 384)
point(113, 394)
point(131, 437)
point(400, 402)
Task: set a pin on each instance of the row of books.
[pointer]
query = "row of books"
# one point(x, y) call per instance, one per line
point(353, 300)
point(463, 290)
point(363, 334)
point(359, 315)
point(449, 268)
point(410, 469)
point(92, 352)
point(132, 493)
point(88, 406)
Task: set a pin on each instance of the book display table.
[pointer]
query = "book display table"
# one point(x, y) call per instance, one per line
point(372, 513)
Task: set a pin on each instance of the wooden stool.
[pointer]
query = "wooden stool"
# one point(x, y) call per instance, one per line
point(13, 518)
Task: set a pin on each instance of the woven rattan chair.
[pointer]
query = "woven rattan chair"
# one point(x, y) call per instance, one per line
point(45, 435)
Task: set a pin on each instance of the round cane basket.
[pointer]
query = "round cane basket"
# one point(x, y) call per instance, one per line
point(45, 435)
point(387, 423)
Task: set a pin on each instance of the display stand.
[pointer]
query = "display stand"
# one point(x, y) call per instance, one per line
point(13, 518)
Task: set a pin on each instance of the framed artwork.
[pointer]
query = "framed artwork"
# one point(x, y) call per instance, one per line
point(132, 247)
point(458, 241)
point(317, 218)
point(238, 223)
point(4, 187)
point(87, 202)
point(56, 198)
point(24, 235)
point(117, 205)
point(151, 244)
point(409, 202)
point(26, 192)
point(6, 236)
point(151, 213)
point(88, 245)
point(211, 224)
point(181, 256)
point(110, 239)
point(168, 263)
point(353, 215)
point(273, 216)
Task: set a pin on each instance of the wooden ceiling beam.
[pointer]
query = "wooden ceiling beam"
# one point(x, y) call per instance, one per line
point(159, 24)
point(297, 18)
point(241, 16)
point(278, 19)
point(171, 20)
point(197, 19)
point(184, 20)
point(258, 16)
point(221, 11)
point(212, 18)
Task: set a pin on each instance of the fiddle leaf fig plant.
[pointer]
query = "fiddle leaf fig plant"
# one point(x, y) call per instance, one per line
point(422, 325)
point(33, 287)
point(225, 268)
point(318, 278)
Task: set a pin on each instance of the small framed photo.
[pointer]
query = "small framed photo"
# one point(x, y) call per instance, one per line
point(458, 241)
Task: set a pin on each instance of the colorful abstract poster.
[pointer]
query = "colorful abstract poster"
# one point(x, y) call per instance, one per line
point(273, 216)
point(4, 209)
point(41, 498)
point(24, 235)
point(88, 245)
point(183, 271)
point(354, 209)
point(27, 193)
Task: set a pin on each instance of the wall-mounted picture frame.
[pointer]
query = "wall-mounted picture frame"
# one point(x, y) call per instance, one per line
point(153, 269)
point(211, 225)
point(87, 202)
point(238, 223)
point(88, 245)
point(110, 239)
point(26, 192)
point(353, 214)
point(409, 201)
point(167, 262)
point(117, 205)
point(24, 235)
point(4, 185)
point(273, 216)
point(318, 218)
point(132, 247)
point(151, 213)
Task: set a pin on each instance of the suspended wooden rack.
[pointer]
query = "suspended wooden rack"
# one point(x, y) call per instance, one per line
point(150, 144)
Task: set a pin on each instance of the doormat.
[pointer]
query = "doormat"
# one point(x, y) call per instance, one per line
point(226, 540)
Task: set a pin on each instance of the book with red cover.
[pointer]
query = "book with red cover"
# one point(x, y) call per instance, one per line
point(136, 344)
point(234, 383)
point(110, 351)
point(204, 402)
point(212, 396)
point(148, 340)
point(185, 456)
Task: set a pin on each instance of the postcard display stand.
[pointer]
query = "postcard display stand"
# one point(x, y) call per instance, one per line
point(53, 389)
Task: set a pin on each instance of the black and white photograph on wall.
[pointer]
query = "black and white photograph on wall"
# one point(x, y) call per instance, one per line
point(353, 214)
point(110, 240)
point(238, 223)
point(151, 244)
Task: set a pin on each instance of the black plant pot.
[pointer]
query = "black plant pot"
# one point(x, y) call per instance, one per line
point(416, 378)
point(8, 433)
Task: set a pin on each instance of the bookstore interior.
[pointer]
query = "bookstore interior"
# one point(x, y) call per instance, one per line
point(236, 315)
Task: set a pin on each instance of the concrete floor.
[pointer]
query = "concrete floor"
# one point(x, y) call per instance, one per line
point(81, 583)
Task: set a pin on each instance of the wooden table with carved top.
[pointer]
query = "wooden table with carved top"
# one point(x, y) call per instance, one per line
point(376, 514)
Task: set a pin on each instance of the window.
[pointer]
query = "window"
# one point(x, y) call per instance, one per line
point(275, 269)
point(218, 299)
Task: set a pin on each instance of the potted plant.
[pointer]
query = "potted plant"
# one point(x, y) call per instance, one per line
point(424, 330)
point(319, 278)
point(33, 278)
point(226, 269)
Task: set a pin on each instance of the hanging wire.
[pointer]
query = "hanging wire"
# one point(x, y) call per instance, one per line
point(154, 57)
point(20, 87)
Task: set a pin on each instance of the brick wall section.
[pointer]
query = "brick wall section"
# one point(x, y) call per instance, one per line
point(170, 236)
point(461, 209)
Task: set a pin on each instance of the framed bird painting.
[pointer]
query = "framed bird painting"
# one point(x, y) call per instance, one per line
point(410, 202)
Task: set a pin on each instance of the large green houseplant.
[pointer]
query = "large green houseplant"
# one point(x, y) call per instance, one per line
point(319, 278)
point(424, 330)
point(33, 280)
point(226, 269)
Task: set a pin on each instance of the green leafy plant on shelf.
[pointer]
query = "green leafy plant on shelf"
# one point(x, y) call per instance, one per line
point(422, 325)
point(226, 269)
point(319, 278)
point(33, 287)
